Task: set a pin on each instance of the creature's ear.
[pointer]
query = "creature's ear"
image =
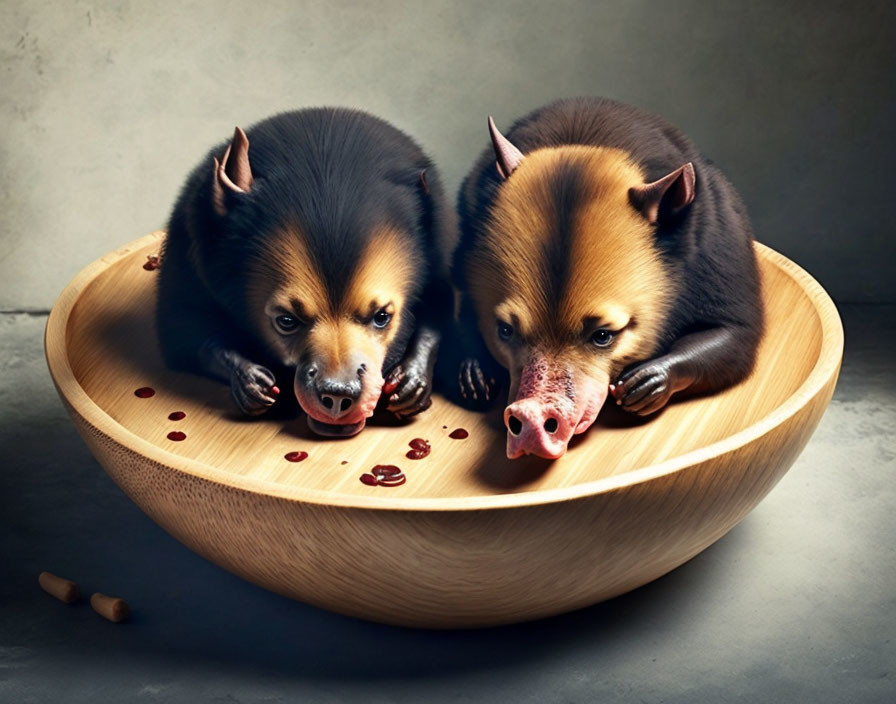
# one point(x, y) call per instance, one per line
point(507, 156)
point(233, 174)
point(423, 184)
point(665, 197)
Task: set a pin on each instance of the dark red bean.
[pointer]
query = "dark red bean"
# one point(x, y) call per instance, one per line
point(152, 262)
point(420, 448)
point(385, 470)
point(459, 434)
point(177, 415)
point(396, 480)
point(368, 479)
point(145, 392)
point(296, 456)
point(177, 436)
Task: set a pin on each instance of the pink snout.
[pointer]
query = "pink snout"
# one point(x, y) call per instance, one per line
point(552, 404)
point(539, 426)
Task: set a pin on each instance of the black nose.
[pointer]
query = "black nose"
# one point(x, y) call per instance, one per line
point(337, 397)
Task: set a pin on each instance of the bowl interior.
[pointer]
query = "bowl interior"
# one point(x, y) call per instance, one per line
point(111, 348)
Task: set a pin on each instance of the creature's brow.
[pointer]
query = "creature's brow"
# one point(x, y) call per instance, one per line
point(590, 322)
point(299, 308)
point(376, 305)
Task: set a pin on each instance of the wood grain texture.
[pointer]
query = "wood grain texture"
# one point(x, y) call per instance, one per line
point(471, 539)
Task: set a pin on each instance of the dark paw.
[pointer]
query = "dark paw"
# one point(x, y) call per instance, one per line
point(478, 387)
point(643, 389)
point(252, 387)
point(409, 391)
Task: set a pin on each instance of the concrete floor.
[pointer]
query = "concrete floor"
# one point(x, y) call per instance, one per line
point(796, 604)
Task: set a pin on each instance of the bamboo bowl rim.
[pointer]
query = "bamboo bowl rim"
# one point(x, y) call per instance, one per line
point(56, 350)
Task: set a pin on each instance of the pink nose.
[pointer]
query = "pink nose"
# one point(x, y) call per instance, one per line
point(536, 427)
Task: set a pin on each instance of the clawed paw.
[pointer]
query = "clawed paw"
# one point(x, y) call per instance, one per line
point(253, 388)
point(408, 391)
point(643, 389)
point(477, 387)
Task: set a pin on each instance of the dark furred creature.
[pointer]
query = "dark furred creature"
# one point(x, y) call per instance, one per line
point(312, 260)
point(597, 246)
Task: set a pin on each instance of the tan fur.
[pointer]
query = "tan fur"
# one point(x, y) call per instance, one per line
point(616, 278)
point(382, 276)
point(335, 342)
point(284, 280)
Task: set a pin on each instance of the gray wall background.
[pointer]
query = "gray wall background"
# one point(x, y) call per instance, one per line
point(106, 106)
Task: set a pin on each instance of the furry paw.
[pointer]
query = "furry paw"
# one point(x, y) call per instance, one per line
point(477, 386)
point(409, 390)
point(252, 387)
point(644, 389)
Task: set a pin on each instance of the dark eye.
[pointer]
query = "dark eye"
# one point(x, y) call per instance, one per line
point(602, 337)
point(505, 330)
point(286, 323)
point(381, 318)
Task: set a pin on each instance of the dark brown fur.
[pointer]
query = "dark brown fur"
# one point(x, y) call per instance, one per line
point(335, 193)
point(710, 304)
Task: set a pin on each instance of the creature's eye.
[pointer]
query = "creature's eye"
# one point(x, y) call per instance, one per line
point(602, 337)
point(505, 330)
point(286, 324)
point(381, 318)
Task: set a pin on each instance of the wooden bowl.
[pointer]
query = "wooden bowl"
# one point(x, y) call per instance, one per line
point(471, 539)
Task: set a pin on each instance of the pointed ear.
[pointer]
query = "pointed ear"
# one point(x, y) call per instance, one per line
point(233, 174)
point(667, 196)
point(507, 156)
point(423, 184)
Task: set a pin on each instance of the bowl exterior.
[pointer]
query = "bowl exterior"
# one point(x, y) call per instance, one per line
point(461, 568)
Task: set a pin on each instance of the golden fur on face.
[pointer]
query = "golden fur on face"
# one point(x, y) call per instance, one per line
point(565, 253)
point(284, 280)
